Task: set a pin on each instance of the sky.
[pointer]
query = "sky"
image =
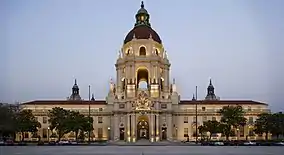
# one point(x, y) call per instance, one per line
point(45, 45)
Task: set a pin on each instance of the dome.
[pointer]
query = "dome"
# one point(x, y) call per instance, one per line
point(142, 32)
point(142, 28)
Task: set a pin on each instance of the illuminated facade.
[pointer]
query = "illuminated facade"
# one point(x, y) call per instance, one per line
point(143, 103)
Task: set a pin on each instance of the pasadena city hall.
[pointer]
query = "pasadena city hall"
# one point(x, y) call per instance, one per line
point(143, 102)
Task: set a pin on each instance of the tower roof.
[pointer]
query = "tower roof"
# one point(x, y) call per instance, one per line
point(142, 28)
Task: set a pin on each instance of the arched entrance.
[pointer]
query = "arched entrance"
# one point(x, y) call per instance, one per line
point(142, 78)
point(143, 127)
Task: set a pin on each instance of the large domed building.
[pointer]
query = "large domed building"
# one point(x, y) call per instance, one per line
point(143, 103)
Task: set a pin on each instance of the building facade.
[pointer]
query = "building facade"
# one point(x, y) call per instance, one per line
point(143, 103)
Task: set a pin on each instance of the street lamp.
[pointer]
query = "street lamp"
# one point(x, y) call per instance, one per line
point(89, 115)
point(238, 133)
point(48, 128)
point(108, 129)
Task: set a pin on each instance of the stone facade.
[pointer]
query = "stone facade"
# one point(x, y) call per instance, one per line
point(143, 103)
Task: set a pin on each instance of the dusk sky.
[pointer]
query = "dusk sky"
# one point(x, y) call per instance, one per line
point(46, 44)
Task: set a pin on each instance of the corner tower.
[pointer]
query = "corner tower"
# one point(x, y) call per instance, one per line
point(142, 63)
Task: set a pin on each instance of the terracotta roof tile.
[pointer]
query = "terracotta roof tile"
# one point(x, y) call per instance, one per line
point(224, 102)
point(65, 102)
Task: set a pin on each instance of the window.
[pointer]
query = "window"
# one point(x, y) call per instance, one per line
point(194, 119)
point(156, 52)
point(100, 132)
point(213, 118)
point(142, 51)
point(164, 106)
point(26, 135)
point(44, 133)
point(203, 108)
point(249, 108)
point(44, 120)
point(128, 52)
point(242, 131)
point(250, 120)
point(121, 106)
point(100, 109)
point(185, 119)
point(185, 134)
point(100, 119)
point(204, 118)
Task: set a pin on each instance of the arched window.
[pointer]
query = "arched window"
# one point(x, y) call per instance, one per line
point(142, 51)
point(128, 52)
point(156, 52)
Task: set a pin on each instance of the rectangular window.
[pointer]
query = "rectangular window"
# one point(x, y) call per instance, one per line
point(44, 133)
point(203, 108)
point(204, 118)
point(213, 118)
point(249, 108)
point(242, 131)
point(26, 135)
point(185, 134)
point(164, 106)
point(250, 120)
point(121, 106)
point(100, 132)
point(100, 119)
point(44, 120)
point(185, 119)
point(100, 109)
point(194, 119)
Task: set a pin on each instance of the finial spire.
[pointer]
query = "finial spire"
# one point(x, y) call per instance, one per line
point(75, 81)
point(142, 4)
point(210, 82)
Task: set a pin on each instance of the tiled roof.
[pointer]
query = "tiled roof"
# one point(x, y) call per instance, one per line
point(65, 102)
point(223, 102)
point(103, 102)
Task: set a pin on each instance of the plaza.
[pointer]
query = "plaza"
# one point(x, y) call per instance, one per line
point(139, 150)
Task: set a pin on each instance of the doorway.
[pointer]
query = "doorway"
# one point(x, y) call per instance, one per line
point(143, 128)
point(121, 133)
point(164, 133)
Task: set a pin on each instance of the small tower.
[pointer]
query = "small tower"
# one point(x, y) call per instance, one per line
point(210, 92)
point(75, 92)
point(193, 98)
point(93, 97)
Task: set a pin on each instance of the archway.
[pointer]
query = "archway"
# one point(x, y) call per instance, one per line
point(143, 127)
point(142, 78)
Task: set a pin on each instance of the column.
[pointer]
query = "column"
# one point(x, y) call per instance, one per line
point(128, 128)
point(116, 127)
point(133, 126)
point(169, 127)
point(152, 127)
point(157, 127)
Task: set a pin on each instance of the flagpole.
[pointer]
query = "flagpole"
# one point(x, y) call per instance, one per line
point(89, 115)
point(196, 130)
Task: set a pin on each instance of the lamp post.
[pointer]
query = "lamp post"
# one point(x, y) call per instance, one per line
point(89, 116)
point(196, 135)
point(48, 128)
point(108, 129)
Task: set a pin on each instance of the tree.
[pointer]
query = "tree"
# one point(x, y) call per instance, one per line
point(79, 122)
point(58, 119)
point(276, 127)
point(212, 126)
point(231, 116)
point(263, 124)
point(26, 122)
point(7, 121)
